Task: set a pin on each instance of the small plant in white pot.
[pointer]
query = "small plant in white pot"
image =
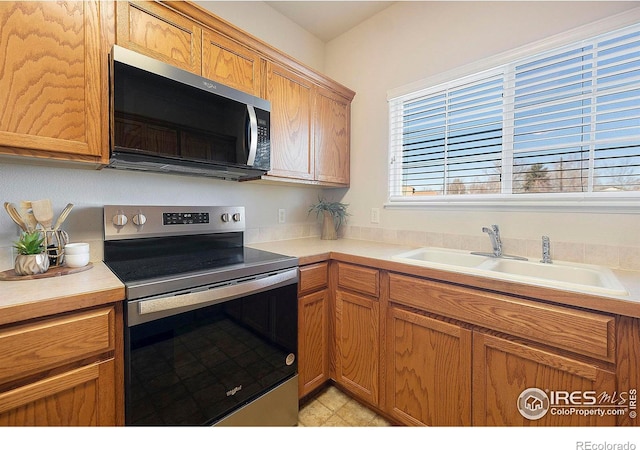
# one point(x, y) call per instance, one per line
point(32, 257)
point(333, 214)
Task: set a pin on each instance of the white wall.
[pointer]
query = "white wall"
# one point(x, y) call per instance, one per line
point(410, 41)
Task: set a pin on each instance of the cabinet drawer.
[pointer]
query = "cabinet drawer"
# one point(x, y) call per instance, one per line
point(313, 277)
point(360, 279)
point(39, 346)
point(587, 333)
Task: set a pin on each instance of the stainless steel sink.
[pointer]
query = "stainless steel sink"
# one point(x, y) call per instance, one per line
point(560, 274)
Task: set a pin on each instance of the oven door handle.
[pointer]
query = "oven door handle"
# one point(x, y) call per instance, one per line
point(165, 306)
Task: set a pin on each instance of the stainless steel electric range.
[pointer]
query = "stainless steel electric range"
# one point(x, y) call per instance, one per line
point(210, 325)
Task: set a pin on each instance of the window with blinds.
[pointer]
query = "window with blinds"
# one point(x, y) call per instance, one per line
point(566, 121)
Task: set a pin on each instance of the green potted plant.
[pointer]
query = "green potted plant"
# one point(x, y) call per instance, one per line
point(32, 257)
point(333, 214)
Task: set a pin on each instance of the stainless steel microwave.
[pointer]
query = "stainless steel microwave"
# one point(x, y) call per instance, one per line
point(164, 119)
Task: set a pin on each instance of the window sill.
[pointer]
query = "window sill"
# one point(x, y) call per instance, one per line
point(573, 203)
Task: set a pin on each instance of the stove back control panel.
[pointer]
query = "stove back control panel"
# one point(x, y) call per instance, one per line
point(138, 221)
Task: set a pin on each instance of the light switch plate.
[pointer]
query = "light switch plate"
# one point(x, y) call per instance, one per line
point(375, 215)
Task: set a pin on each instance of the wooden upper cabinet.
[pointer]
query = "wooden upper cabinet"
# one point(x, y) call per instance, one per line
point(53, 80)
point(332, 137)
point(230, 63)
point(291, 123)
point(310, 129)
point(161, 33)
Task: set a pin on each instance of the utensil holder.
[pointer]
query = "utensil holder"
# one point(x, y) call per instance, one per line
point(54, 242)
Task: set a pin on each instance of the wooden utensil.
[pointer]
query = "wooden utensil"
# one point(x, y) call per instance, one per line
point(15, 216)
point(43, 212)
point(27, 215)
point(63, 215)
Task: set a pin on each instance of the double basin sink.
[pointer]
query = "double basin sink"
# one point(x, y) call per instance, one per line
point(559, 274)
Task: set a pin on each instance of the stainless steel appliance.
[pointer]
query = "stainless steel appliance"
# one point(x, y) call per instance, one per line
point(164, 119)
point(210, 325)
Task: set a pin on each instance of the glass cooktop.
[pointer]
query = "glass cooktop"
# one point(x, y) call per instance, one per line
point(200, 259)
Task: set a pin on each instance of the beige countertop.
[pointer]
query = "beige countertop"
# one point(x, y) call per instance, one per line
point(29, 299)
point(375, 254)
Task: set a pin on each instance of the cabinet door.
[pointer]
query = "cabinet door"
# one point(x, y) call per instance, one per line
point(82, 397)
point(291, 123)
point(313, 341)
point(332, 137)
point(357, 345)
point(428, 370)
point(230, 63)
point(52, 81)
point(161, 33)
point(510, 377)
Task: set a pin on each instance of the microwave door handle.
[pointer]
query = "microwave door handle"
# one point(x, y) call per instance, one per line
point(253, 135)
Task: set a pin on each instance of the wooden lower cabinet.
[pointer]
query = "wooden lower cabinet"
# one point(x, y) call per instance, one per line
point(428, 353)
point(503, 370)
point(63, 370)
point(428, 380)
point(81, 397)
point(313, 327)
point(357, 344)
point(313, 341)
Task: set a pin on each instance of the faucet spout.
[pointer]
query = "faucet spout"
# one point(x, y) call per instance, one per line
point(496, 243)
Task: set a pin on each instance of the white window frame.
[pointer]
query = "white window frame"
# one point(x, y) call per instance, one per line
point(627, 202)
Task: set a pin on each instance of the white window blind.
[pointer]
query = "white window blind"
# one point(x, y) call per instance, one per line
point(566, 121)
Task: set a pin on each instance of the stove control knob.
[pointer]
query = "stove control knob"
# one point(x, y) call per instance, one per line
point(119, 220)
point(225, 217)
point(139, 219)
point(236, 217)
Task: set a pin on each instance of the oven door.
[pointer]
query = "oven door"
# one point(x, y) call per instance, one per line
point(198, 366)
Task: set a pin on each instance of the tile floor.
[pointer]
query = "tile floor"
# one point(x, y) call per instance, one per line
point(333, 408)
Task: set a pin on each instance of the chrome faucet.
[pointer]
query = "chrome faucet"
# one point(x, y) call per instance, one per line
point(494, 235)
point(546, 250)
point(496, 243)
